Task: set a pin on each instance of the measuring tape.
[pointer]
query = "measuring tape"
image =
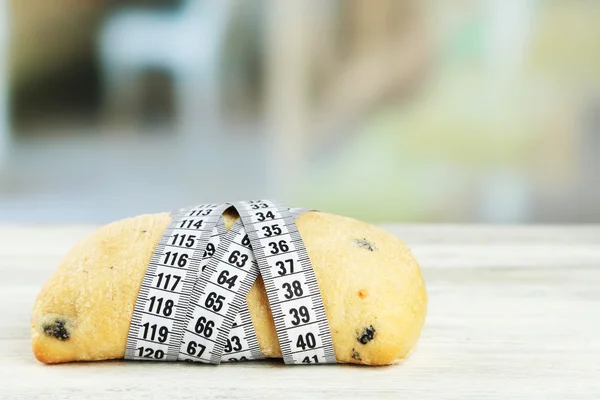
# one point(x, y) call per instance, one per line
point(192, 303)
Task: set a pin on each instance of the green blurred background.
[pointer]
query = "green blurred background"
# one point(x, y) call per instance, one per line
point(388, 110)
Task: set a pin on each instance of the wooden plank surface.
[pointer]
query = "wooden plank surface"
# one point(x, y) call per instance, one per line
point(514, 313)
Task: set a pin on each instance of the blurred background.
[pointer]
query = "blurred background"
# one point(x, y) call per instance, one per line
point(389, 110)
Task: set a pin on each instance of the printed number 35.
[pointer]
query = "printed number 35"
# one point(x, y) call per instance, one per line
point(271, 230)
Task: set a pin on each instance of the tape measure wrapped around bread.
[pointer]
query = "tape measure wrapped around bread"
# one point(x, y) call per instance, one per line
point(370, 285)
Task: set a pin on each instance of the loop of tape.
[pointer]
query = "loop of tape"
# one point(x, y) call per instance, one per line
point(192, 302)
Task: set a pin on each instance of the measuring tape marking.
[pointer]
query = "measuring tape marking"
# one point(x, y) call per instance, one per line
point(223, 287)
point(293, 298)
point(168, 284)
point(212, 321)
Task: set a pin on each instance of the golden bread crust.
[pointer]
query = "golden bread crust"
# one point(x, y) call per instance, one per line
point(371, 284)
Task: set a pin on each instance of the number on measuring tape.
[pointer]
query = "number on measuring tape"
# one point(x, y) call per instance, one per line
point(161, 306)
point(222, 290)
point(292, 289)
point(242, 344)
point(191, 305)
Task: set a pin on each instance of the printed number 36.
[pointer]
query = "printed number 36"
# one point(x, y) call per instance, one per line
point(282, 246)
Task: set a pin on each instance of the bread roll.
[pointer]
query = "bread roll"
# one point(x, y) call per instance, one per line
point(371, 285)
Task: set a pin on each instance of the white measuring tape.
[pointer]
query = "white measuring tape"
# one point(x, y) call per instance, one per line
point(192, 303)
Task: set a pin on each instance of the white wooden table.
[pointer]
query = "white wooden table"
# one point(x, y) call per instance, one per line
point(514, 313)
